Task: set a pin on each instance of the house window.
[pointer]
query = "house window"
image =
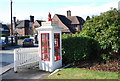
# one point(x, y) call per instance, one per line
point(30, 28)
point(6, 30)
point(20, 28)
point(36, 26)
point(2, 29)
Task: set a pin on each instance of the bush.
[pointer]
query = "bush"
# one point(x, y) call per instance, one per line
point(22, 37)
point(4, 35)
point(105, 28)
point(79, 48)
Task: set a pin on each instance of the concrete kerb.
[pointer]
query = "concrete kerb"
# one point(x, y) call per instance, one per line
point(59, 69)
point(6, 68)
point(10, 66)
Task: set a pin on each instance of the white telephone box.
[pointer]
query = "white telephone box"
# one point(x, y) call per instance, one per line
point(50, 49)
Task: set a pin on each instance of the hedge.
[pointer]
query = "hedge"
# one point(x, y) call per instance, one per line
point(79, 48)
point(22, 37)
point(4, 35)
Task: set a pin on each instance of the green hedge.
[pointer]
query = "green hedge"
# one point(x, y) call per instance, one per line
point(4, 35)
point(79, 48)
point(22, 37)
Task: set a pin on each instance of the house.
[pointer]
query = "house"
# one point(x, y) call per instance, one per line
point(4, 29)
point(23, 27)
point(71, 24)
point(36, 24)
point(26, 27)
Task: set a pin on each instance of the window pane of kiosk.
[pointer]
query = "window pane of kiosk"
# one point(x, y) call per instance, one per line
point(47, 36)
point(57, 46)
point(43, 43)
point(45, 51)
point(43, 36)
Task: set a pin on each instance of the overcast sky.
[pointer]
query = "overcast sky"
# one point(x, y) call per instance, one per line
point(22, 9)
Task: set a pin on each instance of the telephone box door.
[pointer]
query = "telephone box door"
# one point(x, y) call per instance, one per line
point(57, 46)
point(45, 47)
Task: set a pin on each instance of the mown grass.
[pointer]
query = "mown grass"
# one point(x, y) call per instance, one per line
point(77, 73)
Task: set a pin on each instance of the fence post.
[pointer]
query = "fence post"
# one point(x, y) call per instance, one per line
point(15, 61)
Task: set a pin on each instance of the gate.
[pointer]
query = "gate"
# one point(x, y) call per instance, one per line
point(25, 56)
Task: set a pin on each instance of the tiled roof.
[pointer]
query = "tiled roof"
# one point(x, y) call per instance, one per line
point(5, 27)
point(76, 20)
point(66, 22)
point(64, 19)
point(23, 23)
point(39, 21)
point(73, 19)
point(81, 20)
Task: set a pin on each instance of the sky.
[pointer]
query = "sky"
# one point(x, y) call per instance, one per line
point(22, 9)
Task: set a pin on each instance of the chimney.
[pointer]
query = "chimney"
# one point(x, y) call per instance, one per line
point(31, 18)
point(14, 19)
point(68, 13)
point(14, 22)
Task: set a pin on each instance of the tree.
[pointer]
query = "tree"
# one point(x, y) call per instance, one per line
point(88, 18)
point(105, 28)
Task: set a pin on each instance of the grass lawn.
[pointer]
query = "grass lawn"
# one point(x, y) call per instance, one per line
point(77, 73)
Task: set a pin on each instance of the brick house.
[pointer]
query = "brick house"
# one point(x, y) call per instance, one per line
point(71, 24)
point(23, 27)
point(26, 27)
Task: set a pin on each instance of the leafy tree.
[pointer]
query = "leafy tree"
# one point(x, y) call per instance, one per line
point(105, 28)
point(88, 18)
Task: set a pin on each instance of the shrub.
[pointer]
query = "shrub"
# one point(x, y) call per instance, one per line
point(22, 37)
point(79, 48)
point(105, 28)
point(4, 35)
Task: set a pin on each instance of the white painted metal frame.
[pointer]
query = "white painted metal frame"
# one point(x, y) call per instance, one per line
point(25, 56)
point(52, 64)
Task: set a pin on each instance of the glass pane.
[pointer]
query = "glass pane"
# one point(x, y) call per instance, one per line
point(56, 39)
point(45, 51)
point(57, 51)
point(42, 49)
point(48, 43)
point(57, 46)
point(42, 57)
point(43, 43)
point(48, 50)
point(55, 43)
point(43, 36)
point(47, 36)
point(45, 57)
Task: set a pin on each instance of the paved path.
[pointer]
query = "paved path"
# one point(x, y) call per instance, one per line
point(6, 59)
point(24, 73)
point(7, 55)
point(6, 62)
